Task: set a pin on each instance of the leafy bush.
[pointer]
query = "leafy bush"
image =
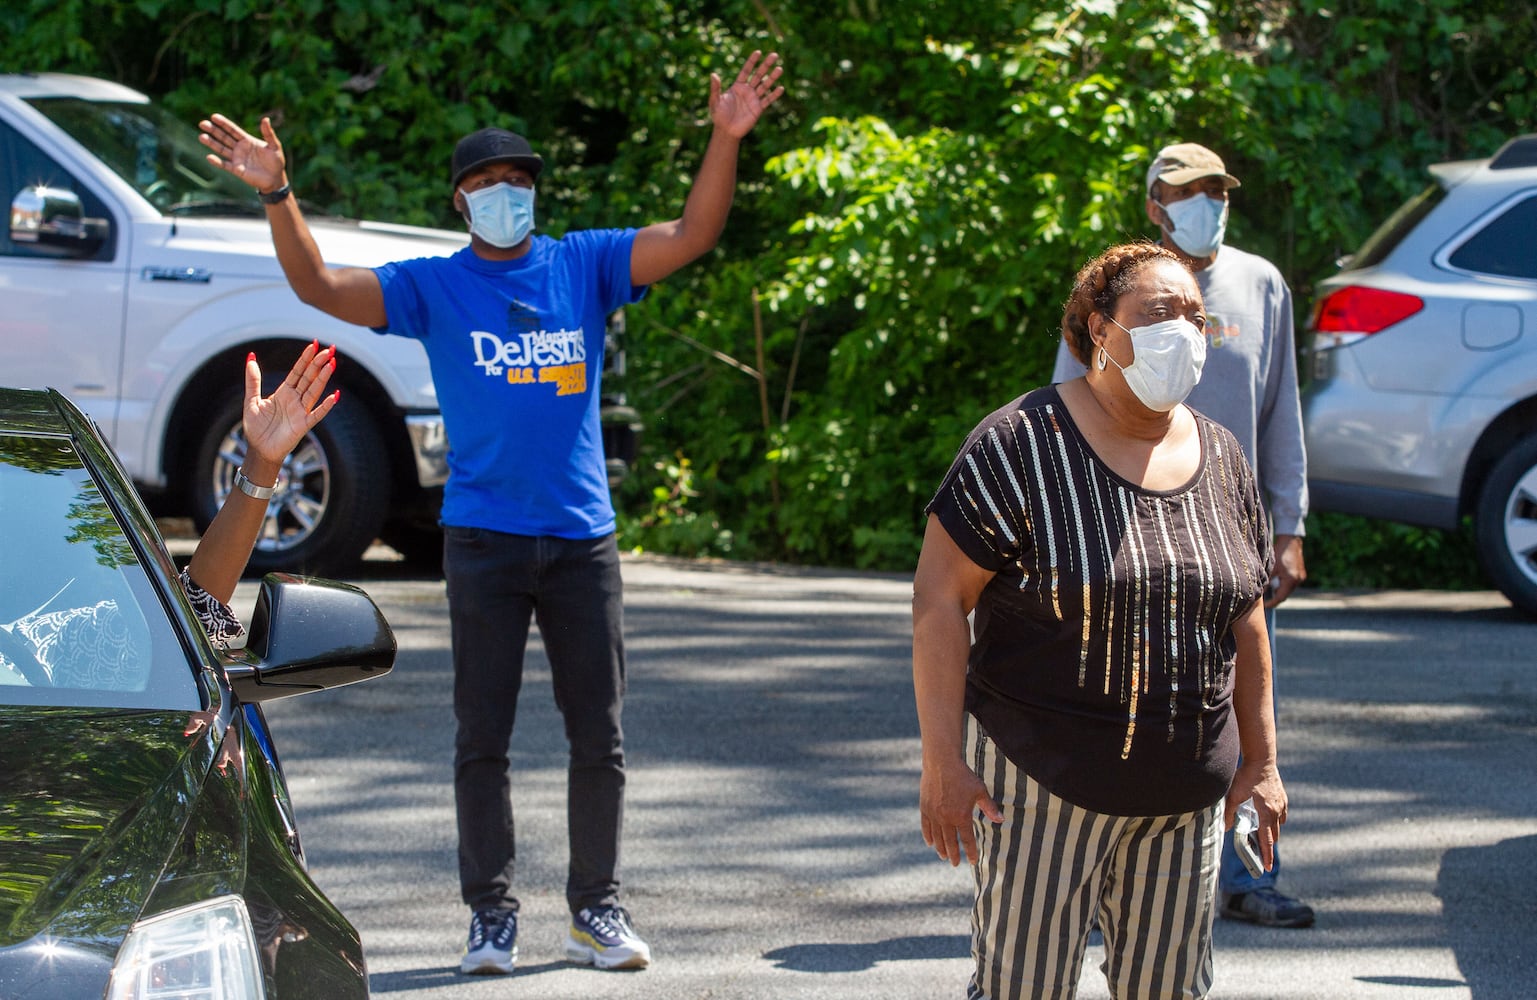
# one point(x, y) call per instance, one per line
point(1357, 552)
point(908, 218)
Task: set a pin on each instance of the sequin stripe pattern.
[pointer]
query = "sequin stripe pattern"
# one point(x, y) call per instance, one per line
point(1052, 447)
point(1231, 552)
point(1156, 578)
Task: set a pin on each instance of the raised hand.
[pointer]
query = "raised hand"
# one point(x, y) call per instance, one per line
point(258, 162)
point(736, 110)
point(275, 425)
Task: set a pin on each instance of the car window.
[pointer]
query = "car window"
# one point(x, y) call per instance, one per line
point(23, 165)
point(1398, 225)
point(81, 624)
point(1504, 246)
point(156, 153)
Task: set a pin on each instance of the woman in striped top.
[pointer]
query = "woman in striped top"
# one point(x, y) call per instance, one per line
point(1081, 736)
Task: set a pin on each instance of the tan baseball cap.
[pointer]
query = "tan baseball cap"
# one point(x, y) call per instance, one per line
point(1184, 162)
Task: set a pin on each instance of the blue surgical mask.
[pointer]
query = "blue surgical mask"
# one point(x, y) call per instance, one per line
point(1199, 224)
point(502, 215)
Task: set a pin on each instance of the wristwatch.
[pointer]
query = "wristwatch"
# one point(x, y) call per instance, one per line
point(250, 489)
point(277, 195)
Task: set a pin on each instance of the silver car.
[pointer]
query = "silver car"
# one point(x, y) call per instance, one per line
point(1421, 405)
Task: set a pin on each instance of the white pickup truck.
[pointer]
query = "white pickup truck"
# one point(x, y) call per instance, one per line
point(135, 277)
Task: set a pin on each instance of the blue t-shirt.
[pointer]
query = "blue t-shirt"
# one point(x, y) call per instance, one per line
point(516, 349)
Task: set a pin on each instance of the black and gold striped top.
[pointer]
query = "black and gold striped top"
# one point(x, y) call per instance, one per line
point(1102, 663)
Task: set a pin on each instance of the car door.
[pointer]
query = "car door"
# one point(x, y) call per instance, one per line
point(61, 317)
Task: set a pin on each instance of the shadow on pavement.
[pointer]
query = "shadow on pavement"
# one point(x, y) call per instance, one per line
point(859, 957)
point(444, 977)
point(413, 979)
point(773, 738)
point(1489, 908)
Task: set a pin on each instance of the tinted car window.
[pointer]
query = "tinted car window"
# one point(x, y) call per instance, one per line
point(23, 165)
point(1398, 225)
point(156, 153)
point(1505, 246)
point(83, 625)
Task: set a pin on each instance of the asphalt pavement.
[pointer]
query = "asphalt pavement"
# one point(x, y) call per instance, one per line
point(772, 845)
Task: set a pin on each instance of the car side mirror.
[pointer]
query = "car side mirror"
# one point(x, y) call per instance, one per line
point(53, 217)
point(309, 635)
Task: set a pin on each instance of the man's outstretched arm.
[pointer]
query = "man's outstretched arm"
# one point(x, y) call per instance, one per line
point(664, 247)
point(350, 294)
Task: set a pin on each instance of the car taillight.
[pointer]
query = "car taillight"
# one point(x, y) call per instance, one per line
point(1357, 309)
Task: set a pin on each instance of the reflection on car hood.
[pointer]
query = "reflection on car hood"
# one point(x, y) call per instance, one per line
point(96, 804)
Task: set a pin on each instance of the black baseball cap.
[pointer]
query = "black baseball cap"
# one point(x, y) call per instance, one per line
point(493, 145)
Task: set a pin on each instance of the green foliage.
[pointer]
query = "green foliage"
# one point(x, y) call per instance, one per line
point(369, 96)
point(926, 247)
point(1347, 103)
point(1348, 551)
point(908, 218)
point(921, 258)
point(670, 524)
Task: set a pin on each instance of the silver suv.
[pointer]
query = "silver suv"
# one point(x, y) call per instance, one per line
point(1421, 405)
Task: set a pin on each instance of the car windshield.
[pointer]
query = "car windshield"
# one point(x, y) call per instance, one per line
point(156, 153)
point(80, 622)
point(1398, 225)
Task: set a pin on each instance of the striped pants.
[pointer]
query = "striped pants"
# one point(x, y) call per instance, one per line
point(1050, 867)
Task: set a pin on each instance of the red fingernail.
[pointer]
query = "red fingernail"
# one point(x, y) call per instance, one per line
point(337, 395)
point(251, 356)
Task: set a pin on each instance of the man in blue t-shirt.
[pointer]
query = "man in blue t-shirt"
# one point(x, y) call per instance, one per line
point(513, 326)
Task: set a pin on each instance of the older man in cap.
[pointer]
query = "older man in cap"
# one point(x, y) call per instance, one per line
point(514, 328)
point(1249, 385)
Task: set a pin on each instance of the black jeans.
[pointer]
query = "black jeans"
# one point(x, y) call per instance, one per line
point(572, 588)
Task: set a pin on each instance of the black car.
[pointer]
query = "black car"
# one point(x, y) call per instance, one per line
point(147, 845)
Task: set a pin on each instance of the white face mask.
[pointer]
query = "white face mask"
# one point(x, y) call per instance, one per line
point(1166, 362)
point(502, 215)
point(1199, 224)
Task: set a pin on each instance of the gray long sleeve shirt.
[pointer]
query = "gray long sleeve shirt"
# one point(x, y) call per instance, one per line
point(1249, 382)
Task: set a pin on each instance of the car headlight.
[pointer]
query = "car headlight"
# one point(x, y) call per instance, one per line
point(201, 952)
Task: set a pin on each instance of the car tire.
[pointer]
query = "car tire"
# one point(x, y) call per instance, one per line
point(332, 497)
point(1505, 525)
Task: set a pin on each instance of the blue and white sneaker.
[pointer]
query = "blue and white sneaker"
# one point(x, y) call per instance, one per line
point(603, 936)
point(493, 946)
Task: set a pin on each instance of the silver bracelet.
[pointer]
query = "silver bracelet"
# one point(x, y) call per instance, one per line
point(250, 489)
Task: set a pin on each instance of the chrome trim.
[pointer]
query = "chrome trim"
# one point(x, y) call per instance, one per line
point(429, 443)
point(200, 275)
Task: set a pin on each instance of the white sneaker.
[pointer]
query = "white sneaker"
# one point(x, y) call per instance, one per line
point(603, 936)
